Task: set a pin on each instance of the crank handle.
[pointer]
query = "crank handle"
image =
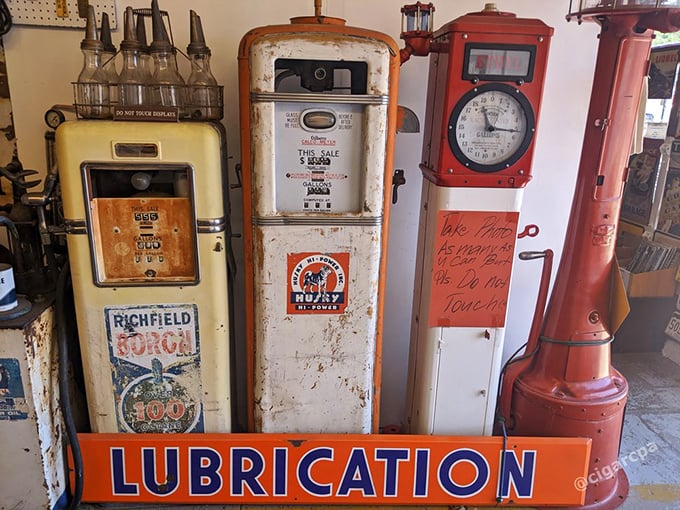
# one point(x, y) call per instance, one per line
point(530, 230)
point(532, 255)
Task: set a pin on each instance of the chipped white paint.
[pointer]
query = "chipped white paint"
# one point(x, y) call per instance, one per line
point(200, 146)
point(33, 474)
point(453, 371)
point(314, 372)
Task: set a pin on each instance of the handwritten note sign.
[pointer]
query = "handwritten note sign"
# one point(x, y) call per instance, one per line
point(473, 255)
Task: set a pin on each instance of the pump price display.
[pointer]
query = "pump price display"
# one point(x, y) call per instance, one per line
point(318, 157)
point(498, 62)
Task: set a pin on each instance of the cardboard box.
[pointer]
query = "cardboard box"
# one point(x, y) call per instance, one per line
point(652, 284)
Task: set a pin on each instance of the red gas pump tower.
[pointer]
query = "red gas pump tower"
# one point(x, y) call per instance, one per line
point(565, 385)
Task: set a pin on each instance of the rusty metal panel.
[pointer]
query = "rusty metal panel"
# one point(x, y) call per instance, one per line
point(31, 425)
point(125, 252)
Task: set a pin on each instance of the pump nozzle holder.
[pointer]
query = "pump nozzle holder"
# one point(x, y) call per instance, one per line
point(160, 42)
point(91, 41)
point(197, 44)
point(105, 34)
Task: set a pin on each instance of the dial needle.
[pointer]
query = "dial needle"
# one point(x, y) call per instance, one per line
point(491, 128)
point(487, 123)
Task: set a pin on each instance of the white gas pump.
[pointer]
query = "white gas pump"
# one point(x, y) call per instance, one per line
point(318, 119)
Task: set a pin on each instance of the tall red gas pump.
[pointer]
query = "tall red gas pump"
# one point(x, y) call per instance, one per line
point(487, 72)
point(565, 385)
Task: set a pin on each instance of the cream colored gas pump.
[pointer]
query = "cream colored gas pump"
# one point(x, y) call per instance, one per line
point(318, 119)
point(146, 237)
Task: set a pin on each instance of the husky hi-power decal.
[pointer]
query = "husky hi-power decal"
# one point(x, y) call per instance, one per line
point(13, 405)
point(317, 283)
point(155, 367)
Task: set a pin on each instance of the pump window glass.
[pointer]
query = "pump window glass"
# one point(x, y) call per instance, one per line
point(142, 224)
point(498, 62)
point(318, 157)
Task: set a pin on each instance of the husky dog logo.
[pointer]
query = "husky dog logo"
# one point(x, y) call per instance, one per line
point(317, 282)
point(319, 279)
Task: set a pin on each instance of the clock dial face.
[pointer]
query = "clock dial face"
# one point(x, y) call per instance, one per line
point(491, 127)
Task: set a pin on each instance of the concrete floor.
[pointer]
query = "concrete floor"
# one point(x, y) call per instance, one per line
point(652, 418)
point(650, 448)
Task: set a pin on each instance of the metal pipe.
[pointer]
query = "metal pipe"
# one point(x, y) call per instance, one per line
point(569, 387)
point(542, 299)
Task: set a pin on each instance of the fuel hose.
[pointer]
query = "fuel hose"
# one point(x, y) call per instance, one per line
point(63, 283)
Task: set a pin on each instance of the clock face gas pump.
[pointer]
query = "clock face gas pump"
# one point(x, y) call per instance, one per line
point(146, 238)
point(318, 119)
point(485, 86)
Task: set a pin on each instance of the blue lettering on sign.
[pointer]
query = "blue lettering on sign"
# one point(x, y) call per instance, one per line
point(391, 456)
point(241, 476)
point(151, 319)
point(248, 466)
point(521, 478)
point(304, 468)
point(171, 477)
point(120, 487)
point(463, 455)
point(280, 471)
point(421, 473)
point(204, 476)
point(357, 476)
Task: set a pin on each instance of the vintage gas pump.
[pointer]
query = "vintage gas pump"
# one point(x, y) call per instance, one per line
point(148, 242)
point(318, 119)
point(486, 81)
point(565, 384)
point(146, 238)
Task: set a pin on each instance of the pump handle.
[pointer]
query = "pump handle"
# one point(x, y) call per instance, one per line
point(542, 299)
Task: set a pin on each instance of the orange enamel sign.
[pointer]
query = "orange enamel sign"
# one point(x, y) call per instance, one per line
point(333, 469)
point(471, 268)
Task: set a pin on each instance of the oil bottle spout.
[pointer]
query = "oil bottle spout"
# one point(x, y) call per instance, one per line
point(91, 41)
point(197, 44)
point(160, 41)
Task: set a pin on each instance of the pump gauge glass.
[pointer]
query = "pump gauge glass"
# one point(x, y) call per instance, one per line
point(491, 127)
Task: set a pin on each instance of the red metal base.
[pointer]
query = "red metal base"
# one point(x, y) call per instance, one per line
point(615, 499)
point(592, 409)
